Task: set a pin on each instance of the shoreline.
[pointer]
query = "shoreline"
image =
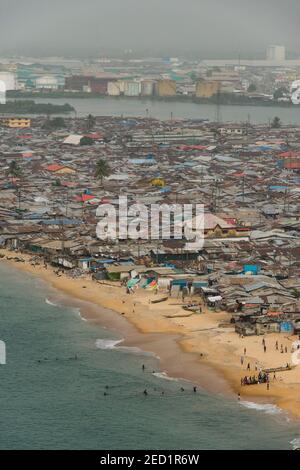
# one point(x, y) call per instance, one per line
point(189, 347)
point(155, 99)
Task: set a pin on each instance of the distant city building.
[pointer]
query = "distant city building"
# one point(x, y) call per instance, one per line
point(206, 89)
point(114, 88)
point(276, 53)
point(9, 80)
point(47, 82)
point(165, 88)
point(147, 87)
point(87, 84)
point(132, 88)
point(16, 122)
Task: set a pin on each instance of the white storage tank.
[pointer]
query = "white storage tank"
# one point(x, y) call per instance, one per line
point(147, 87)
point(113, 89)
point(132, 88)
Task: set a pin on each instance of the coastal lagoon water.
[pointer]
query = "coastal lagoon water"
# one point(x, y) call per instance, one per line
point(107, 106)
point(53, 384)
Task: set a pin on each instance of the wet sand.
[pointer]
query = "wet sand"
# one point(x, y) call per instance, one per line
point(193, 347)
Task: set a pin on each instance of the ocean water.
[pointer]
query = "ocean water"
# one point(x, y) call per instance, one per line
point(51, 400)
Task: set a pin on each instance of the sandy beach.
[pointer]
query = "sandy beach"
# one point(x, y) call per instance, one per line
point(202, 348)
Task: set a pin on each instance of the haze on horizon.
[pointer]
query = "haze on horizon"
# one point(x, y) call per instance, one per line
point(200, 28)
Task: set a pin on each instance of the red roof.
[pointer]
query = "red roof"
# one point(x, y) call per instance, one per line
point(289, 154)
point(94, 135)
point(292, 165)
point(84, 197)
point(54, 167)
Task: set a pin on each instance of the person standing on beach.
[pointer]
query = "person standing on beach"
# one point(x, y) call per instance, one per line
point(245, 350)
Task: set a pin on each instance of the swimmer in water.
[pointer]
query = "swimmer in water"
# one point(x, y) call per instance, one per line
point(145, 393)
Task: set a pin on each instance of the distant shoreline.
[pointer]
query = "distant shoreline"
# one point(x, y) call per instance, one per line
point(31, 107)
point(225, 99)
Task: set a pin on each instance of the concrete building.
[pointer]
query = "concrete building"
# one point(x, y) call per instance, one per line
point(165, 88)
point(87, 83)
point(8, 80)
point(206, 89)
point(276, 53)
point(16, 122)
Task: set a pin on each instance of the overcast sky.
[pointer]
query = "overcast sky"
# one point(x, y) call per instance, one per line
point(209, 28)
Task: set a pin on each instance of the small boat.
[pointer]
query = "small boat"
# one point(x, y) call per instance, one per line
point(193, 307)
point(163, 299)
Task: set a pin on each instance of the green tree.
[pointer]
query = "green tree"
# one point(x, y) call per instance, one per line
point(280, 92)
point(14, 171)
point(102, 169)
point(276, 123)
point(87, 141)
point(252, 88)
point(55, 123)
point(296, 293)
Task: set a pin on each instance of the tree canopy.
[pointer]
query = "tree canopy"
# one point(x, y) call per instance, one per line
point(102, 169)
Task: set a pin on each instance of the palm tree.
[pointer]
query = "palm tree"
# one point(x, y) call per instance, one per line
point(102, 170)
point(14, 171)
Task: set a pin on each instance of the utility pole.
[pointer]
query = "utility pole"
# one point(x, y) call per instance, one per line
point(218, 106)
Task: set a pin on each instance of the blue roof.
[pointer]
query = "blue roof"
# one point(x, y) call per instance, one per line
point(61, 222)
point(142, 161)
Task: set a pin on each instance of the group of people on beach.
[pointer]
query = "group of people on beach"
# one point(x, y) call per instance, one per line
point(262, 378)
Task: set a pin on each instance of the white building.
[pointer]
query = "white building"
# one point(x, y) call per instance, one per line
point(47, 82)
point(276, 53)
point(8, 81)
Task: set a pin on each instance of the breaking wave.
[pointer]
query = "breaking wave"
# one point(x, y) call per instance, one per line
point(165, 376)
point(295, 443)
point(80, 316)
point(266, 408)
point(48, 302)
point(112, 344)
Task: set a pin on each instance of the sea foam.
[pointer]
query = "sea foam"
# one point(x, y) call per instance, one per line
point(165, 376)
point(266, 408)
point(295, 443)
point(112, 344)
point(48, 302)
